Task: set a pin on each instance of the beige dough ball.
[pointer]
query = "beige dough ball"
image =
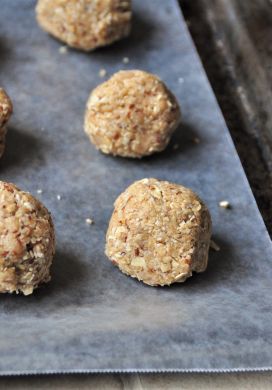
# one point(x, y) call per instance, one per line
point(85, 24)
point(27, 241)
point(133, 114)
point(5, 113)
point(159, 232)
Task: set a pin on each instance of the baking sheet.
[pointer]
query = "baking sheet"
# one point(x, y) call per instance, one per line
point(92, 318)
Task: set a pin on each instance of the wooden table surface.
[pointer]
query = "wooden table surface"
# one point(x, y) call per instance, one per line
point(241, 381)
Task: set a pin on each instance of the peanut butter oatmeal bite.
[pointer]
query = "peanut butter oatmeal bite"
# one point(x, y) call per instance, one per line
point(27, 241)
point(159, 232)
point(5, 113)
point(85, 24)
point(133, 114)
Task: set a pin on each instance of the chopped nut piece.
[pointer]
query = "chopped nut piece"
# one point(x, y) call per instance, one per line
point(39, 191)
point(138, 262)
point(85, 24)
point(162, 231)
point(165, 267)
point(133, 114)
point(224, 204)
point(59, 197)
point(89, 221)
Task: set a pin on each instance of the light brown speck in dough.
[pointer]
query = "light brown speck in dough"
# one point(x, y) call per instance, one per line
point(85, 24)
point(133, 114)
point(159, 232)
point(27, 241)
point(5, 113)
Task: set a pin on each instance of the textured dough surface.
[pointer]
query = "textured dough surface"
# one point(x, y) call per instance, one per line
point(159, 232)
point(5, 113)
point(85, 24)
point(133, 114)
point(27, 241)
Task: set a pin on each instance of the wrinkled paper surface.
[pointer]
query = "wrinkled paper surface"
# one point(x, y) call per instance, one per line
point(91, 317)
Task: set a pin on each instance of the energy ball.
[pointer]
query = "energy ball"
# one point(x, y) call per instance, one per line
point(27, 241)
point(159, 232)
point(85, 24)
point(5, 113)
point(133, 114)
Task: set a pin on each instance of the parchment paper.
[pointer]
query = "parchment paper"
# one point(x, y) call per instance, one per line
point(92, 318)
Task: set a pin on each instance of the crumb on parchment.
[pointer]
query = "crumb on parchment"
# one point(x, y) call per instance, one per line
point(125, 60)
point(63, 49)
point(102, 73)
point(214, 246)
point(196, 140)
point(224, 204)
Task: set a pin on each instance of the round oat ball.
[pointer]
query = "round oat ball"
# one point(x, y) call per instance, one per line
point(85, 24)
point(133, 114)
point(159, 232)
point(5, 113)
point(27, 241)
